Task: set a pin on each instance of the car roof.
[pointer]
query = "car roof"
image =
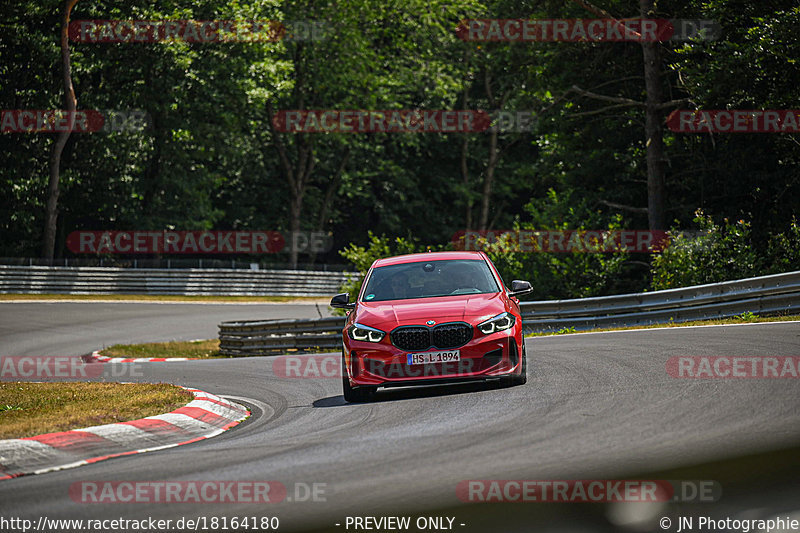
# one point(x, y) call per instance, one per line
point(430, 256)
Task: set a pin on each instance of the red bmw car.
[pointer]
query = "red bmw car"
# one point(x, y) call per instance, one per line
point(431, 318)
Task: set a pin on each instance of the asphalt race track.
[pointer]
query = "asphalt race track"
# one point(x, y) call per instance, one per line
point(43, 328)
point(596, 406)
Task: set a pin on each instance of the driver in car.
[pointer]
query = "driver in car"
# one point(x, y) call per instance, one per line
point(460, 281)
point(399, 286)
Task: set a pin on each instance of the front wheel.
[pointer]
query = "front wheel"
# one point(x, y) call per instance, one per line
point(354, 395)
point(522, 378)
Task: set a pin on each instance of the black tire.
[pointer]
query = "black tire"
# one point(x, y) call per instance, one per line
point(522, 378)
point(355, 395)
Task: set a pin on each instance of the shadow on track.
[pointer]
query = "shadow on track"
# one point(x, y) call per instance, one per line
point(412, 393)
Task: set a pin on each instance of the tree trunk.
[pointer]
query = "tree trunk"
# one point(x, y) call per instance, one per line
point(333, 186)
point(653, 128)
point(297, 176)
point(488, 180)
point(70, 105)
point(491, 164)
point(296, 210)
point(465, 150)
point(654, 140)
point(465, 177)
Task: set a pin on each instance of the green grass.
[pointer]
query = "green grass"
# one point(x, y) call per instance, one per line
point(28, 409)
point(744, 318)
point(202, 349)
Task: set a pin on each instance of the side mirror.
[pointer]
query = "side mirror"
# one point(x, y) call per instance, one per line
point(520, 288)
point(342, 301)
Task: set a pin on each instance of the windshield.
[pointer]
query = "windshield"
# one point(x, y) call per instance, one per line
point(427, 279)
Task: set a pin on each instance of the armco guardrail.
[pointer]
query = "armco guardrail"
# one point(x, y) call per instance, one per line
point(221, 282)
point(266, 337)
point(779, 293)
point(762, 295)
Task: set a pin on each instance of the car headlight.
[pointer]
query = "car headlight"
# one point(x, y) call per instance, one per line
point(497, 323)
point(359, 332)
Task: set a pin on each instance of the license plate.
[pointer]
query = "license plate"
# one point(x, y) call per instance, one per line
point(433, 357)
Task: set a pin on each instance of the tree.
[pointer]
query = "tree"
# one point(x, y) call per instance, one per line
point(653, 107)
point(70, 105)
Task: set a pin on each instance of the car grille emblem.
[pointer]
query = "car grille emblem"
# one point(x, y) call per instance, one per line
point(431, 322)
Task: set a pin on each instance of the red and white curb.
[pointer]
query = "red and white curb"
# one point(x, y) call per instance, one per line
point(204, 417)
point(95, 357)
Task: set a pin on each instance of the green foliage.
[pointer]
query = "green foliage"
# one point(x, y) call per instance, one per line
point(575, 274)
point(747, 316)
point(752, 66)
point(783, 250)
point(379, 247)
point(361, 257)
point(723, 252)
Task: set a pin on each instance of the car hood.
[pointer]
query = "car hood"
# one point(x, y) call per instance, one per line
point(468, 308)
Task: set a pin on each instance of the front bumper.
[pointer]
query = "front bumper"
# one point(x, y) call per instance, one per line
point(383, 364)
